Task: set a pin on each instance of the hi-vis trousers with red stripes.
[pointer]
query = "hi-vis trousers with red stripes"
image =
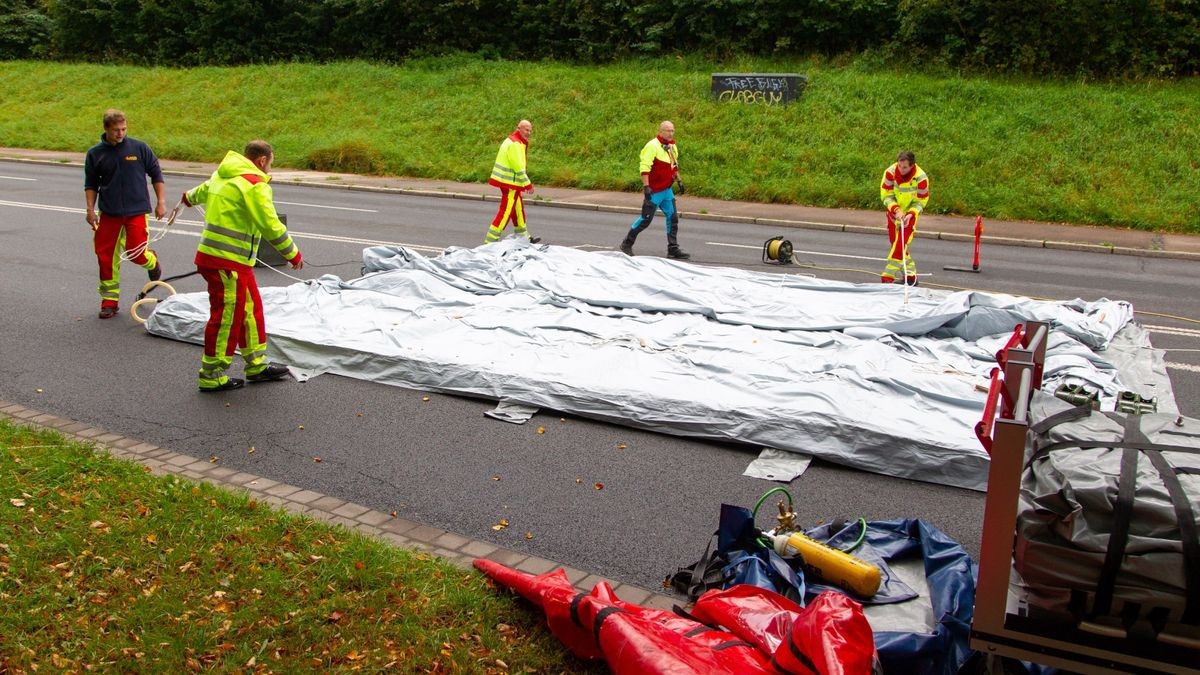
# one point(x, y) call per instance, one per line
point(114, 235)
point(895, 266)
point(512, 208)
point(235, 320)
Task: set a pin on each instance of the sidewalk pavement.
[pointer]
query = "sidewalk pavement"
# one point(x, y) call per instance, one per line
point(934, 226)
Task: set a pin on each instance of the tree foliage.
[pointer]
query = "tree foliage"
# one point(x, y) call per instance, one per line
point(1099, 38)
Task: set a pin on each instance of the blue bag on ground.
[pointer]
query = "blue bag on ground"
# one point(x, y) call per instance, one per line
point(740, 558)
point(929, 635)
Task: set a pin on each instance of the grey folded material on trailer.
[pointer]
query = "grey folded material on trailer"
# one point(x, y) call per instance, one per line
point(1107, 486)
point(846, 372)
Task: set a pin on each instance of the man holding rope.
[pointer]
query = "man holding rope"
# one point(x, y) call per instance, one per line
point(904, 191)
point(241, 211)
point(114, 174)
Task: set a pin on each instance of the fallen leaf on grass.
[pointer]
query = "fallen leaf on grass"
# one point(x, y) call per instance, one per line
point(334, 617)
point(17, 502)
point(358, 565)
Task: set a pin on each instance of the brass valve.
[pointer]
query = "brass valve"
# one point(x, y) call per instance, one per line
point(786, 518)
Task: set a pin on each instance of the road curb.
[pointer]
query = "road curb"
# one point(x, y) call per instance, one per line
point(776, 222)
point(455, 548)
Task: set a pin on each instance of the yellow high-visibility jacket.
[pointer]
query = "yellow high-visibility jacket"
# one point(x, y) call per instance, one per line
point(240, 211)
point(659, 160)
point(508, 173)
point(911, 195)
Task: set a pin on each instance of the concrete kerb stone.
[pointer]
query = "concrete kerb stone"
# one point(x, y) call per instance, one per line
point(456, 549)
point(567, 205)
point(745, 220)
point(1072, 246)
point(604, 208)
point(801, 224)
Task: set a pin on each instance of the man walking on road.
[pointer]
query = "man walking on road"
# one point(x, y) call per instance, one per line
point(241, 211)
point(660, 168)
point(508, 174)
point(114, 175)
point(905, 192)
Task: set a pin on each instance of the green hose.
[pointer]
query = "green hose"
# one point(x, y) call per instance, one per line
point(768, 493)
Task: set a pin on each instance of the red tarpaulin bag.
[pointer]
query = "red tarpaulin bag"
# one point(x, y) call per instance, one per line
point(639, 640)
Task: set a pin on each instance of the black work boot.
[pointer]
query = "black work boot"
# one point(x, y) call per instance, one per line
point(227, 385)
point(678, 253)
point(627, 246)
point(273, 371)
point(155, 273)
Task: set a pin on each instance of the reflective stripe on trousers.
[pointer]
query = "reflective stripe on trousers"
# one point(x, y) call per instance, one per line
point(512, 209)
point(235, 320)
point(116, 234)
point(894, 267)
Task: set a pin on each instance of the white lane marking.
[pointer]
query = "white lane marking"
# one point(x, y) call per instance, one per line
point(1184, 366)
point(294, 233)
point(831, 255)
point(1171, 330)
point(322, 206)
point(44, 207)
point(18, 178)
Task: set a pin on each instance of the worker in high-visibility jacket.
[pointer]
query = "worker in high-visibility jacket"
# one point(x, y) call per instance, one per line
point(509, 174)
point(904, 192)
point(114, 178)
point(240, 211)
point(659, 164)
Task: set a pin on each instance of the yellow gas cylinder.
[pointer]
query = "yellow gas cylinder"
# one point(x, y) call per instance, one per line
point(830, 564)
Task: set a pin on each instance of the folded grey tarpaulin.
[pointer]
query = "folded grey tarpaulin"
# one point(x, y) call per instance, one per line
point(849, 373)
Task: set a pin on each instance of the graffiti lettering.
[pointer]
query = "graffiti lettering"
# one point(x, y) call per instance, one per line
point(750, 96)
point(758, 88)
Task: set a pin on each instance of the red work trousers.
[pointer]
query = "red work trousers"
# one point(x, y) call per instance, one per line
point(512, 209)
point(116, 235)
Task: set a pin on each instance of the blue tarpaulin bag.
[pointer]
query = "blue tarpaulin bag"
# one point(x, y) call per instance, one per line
point(740, 558)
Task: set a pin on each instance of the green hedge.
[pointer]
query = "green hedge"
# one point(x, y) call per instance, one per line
point(1099, 38)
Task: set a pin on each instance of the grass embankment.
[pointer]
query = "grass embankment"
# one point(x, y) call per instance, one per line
point(1108, 154)
point(105, 566)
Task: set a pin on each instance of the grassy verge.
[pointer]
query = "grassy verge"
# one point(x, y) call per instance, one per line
point(105, 566)
point(1109, 154)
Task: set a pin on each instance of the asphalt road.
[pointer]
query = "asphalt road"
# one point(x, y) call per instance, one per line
point(437, 461)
